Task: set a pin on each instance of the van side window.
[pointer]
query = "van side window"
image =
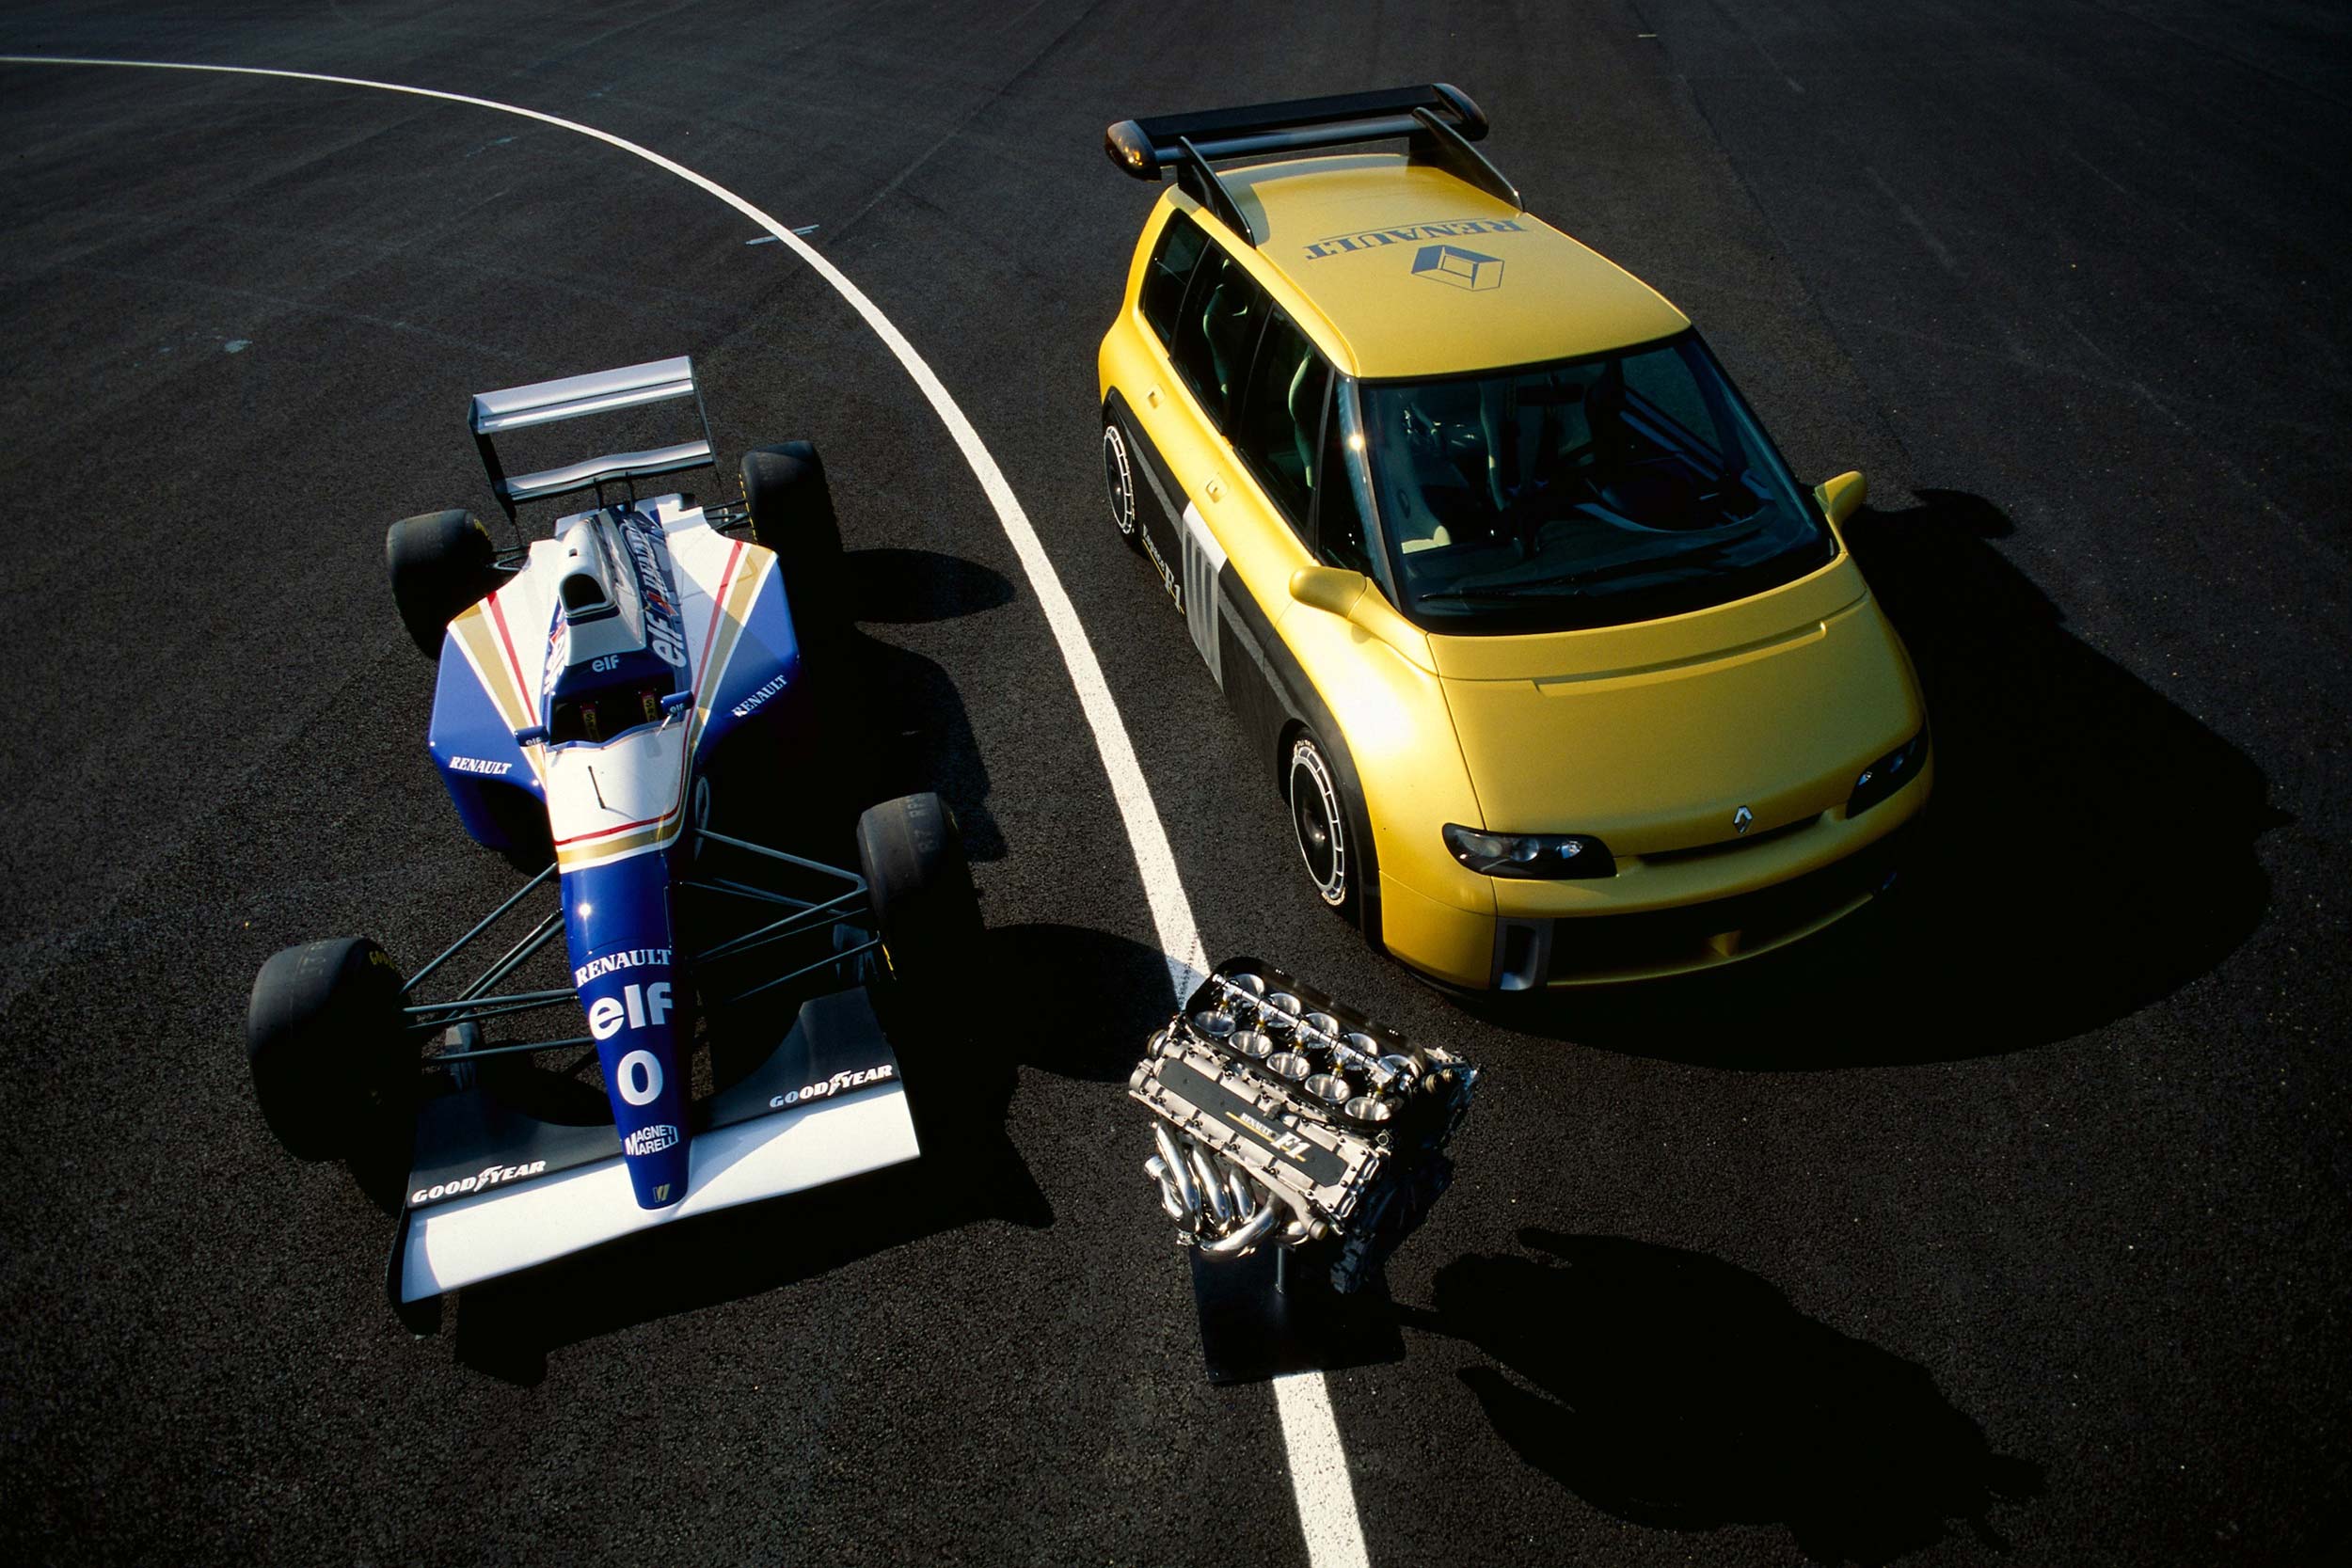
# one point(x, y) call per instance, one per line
point(1169, 269)
point(1280, 428)
point(1222, 313)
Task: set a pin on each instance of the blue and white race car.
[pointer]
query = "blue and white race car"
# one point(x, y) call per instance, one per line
point(599, 690)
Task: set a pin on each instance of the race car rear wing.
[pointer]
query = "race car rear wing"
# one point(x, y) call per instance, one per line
point(1440, 121)
point(600, 392)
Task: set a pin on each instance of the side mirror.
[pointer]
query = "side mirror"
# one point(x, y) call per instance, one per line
point(678, 702)
point(1842, 497)
point(531, 735)
point(1331, 589)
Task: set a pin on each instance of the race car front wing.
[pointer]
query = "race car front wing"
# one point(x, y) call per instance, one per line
point(494, 1191)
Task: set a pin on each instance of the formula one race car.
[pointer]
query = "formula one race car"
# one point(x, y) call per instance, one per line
point(1566, 678)
point(599, 689)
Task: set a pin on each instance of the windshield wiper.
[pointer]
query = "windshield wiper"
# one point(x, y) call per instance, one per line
point(1499, 594)
point(1698, 553)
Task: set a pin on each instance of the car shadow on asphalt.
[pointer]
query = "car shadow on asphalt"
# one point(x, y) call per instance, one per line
point(2090, 848)
point(1091, 1003)
point(921, 734)
point(1675, 1390)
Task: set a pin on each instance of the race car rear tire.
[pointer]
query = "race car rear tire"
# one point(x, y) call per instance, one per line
point(926, 911)
point(323, 1037)
point(791, 507)
point(441, 563)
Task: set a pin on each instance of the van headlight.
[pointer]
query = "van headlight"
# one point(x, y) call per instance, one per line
point(1534, 857)
point(1888, 774)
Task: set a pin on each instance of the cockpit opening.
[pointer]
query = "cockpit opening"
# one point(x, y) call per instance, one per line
point(598, 716)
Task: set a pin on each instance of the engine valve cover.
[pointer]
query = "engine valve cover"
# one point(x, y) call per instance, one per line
point(1284, 1117)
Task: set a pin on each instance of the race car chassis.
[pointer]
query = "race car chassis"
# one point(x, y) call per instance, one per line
point(804, 916)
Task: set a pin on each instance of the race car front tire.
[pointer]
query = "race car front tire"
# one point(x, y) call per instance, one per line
point(441, 563)
point(791, 507)
point(926, 911)
point(324, 1040)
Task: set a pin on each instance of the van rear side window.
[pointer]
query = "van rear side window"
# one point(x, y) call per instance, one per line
point(1216, 334)
point(1170, 268)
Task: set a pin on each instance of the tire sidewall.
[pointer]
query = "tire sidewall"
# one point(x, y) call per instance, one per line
point(1118, 469)
point(919, 891)
point(1312, 789)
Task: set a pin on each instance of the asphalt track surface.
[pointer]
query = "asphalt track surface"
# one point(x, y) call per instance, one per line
point(2009, 1223)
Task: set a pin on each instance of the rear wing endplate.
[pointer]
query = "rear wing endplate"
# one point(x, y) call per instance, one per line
point(1440, 121)
point(600, 392)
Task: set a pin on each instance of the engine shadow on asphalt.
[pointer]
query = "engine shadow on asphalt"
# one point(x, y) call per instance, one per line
point(2090, 848)
point(1673, 1390)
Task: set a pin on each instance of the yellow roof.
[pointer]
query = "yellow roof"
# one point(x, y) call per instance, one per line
point(1416, 273)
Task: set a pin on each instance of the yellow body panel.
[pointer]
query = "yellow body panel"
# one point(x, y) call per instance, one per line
point(1650, 735)
point(1334, 236)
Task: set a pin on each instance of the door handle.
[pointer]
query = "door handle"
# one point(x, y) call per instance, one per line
point(1216, 487)
point(1151, 396)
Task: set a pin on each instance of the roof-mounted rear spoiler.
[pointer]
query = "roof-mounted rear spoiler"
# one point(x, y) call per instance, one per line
point(600, 392)
point(1440, 120)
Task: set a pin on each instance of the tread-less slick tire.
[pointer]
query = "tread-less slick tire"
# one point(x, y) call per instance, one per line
point(441, 563)
point(323, 1037)
point(925, 908)
point(791, 507)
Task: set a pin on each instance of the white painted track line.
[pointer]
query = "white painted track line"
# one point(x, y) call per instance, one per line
point(1319, 1479)
point(1327, 1499)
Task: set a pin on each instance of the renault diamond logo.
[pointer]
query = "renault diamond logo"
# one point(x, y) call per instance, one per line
point(1464, 269)
point(1743, 820)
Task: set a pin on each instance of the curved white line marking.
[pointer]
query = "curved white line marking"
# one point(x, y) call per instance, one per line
point(1326, 1501)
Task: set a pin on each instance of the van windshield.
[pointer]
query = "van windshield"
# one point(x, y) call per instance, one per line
point(1592, 492)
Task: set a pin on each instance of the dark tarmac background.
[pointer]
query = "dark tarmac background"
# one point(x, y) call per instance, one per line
point(2010, 1226)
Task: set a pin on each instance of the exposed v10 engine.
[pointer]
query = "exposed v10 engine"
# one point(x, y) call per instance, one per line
point(1284, 1117)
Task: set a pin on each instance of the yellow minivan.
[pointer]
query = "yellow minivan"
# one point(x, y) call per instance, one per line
point(1563, 676)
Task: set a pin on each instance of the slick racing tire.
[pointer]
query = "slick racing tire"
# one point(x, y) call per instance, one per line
point(925, 909)
point(791, 507)
point(1323, 825)
point(324, 1039)
point(1120, 479)
point(441, 563)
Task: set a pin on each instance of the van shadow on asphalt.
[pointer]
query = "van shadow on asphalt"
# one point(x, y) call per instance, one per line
point(2090, 848)
point(1673, 1390)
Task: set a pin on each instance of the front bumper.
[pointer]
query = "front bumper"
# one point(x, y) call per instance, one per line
point(1664, 915)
